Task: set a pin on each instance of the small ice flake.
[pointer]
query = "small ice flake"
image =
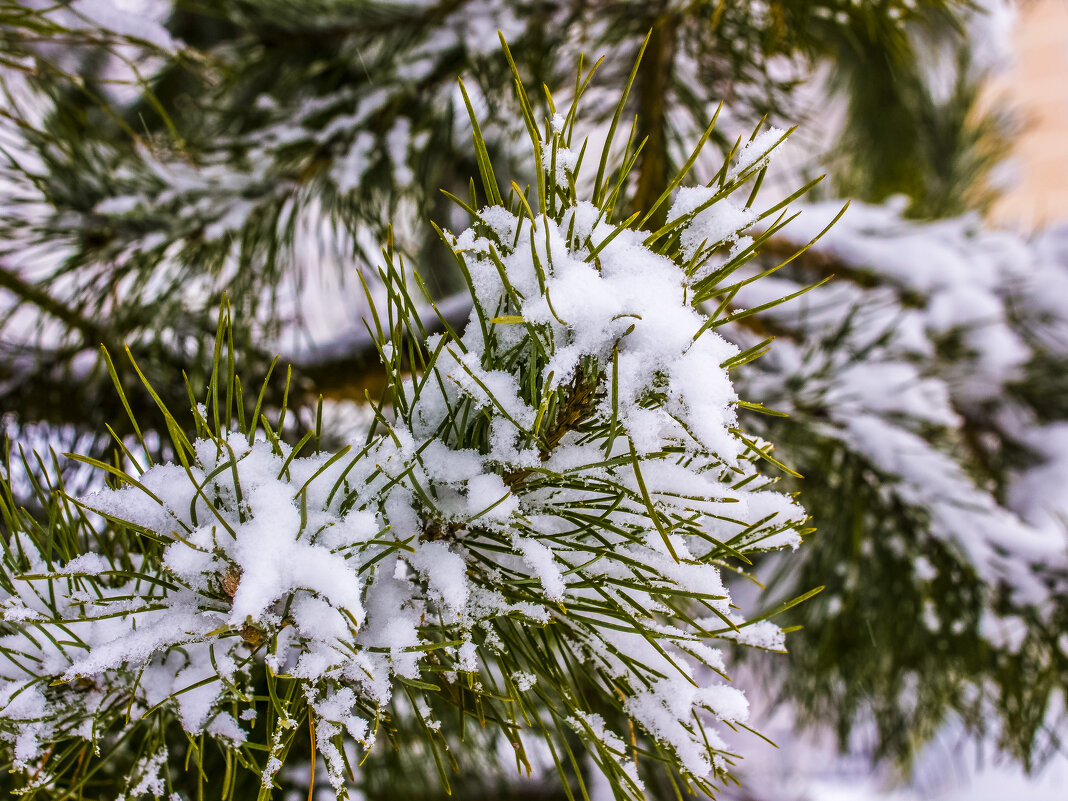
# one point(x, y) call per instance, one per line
point(524, 681)
point(759, 150)
point(89, 564)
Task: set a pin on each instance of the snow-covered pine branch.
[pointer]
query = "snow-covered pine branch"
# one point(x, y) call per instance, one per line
point(532, 533)
point(923, 387)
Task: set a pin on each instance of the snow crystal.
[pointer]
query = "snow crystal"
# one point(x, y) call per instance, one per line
point(715, 225)
point(540, 559)
point(148, 769)
point(565, 161)
point(524, 681)
point(89, 564)
point(757, 151)
point(763, 634)
point(923, 569)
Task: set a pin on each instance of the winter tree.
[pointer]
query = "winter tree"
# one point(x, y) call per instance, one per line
point(500, 512)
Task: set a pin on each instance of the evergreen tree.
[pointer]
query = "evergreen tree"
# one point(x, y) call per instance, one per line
point(151, 166)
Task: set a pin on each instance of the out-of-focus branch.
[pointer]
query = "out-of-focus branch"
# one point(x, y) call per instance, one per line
point(30, 293)
point(655, 80)
point(39, 384)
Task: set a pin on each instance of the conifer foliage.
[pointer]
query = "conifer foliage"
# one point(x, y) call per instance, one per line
point(155, 160)
point(565, 446)
point(921, 387)
point(530, 537)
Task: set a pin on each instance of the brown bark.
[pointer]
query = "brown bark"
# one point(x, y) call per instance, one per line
point(654, 89)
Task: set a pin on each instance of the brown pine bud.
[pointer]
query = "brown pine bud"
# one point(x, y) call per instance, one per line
point(231, 579)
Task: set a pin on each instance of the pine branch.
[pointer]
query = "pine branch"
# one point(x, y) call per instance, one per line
point(417, 574)
point(92, 333)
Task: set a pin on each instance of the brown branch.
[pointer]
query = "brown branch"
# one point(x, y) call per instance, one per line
point(31, 293)
point(655, 76)
point(575, 410)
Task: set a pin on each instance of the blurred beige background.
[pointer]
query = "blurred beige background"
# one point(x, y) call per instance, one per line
point(1037, 87)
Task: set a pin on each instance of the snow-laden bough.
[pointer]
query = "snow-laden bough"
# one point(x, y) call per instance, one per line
point(533, 529)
